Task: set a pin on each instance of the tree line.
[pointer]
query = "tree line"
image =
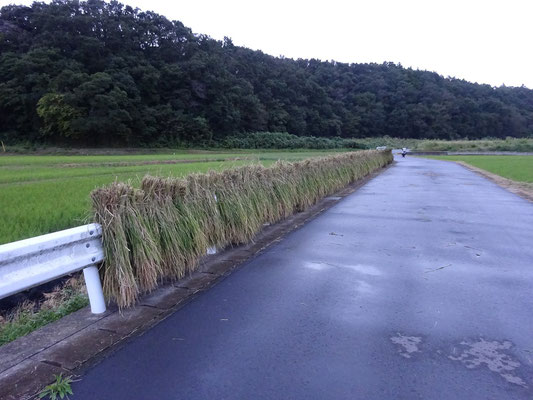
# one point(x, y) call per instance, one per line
point(101, 73)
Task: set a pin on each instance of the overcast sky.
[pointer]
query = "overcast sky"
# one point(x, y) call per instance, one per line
point(483, 41)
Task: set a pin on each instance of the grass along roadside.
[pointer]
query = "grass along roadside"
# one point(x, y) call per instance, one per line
point(31, 315)
point(514, 173)
point(516, 168)
point(523, 189)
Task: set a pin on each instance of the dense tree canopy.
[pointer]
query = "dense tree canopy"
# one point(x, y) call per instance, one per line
point(97, 73)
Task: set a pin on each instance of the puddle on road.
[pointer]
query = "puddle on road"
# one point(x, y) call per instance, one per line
point(407, 345)
point(364, 269)
point(491, 354)
point(356, 281)
point(433, 175)
point(360, 268)
point(364, 288)
point(478, 353)
point(453, 232)
point(317, 266)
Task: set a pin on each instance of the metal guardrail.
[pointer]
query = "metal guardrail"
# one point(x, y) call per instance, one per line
point(31, 262)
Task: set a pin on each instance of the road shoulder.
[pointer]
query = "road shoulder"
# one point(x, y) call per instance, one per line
point(522, 189)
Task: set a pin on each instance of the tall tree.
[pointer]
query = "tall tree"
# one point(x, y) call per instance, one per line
point(102, 73)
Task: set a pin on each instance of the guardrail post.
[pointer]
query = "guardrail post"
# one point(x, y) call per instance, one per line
point(94, 289)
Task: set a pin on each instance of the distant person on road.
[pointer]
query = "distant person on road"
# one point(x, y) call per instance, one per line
point(404, 151)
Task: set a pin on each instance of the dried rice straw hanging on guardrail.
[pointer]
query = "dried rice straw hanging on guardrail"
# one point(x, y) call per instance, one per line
point(161, 230)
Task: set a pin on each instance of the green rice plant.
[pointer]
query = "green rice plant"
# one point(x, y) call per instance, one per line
point(161, 230)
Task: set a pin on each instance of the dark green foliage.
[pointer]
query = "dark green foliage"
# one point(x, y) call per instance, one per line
point(103, 74)
point(283, 140)
point(57, 116)
point(507, 144)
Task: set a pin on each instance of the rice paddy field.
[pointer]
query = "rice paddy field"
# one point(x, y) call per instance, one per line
point(516, 168)
point(41, 194)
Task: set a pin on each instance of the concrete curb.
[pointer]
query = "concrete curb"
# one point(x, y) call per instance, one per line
point(80, 339)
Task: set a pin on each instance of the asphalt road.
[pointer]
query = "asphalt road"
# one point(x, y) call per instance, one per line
point(417, 286)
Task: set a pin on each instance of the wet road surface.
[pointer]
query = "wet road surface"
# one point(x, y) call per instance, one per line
point(417, 286)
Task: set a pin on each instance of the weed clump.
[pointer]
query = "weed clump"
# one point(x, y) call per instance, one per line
point(161, 230)
point(31, 315)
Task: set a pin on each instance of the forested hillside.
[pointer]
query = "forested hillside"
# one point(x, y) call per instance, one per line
point(96, 73)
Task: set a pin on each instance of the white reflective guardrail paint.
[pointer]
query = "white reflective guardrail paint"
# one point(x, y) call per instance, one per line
point(31, 262)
